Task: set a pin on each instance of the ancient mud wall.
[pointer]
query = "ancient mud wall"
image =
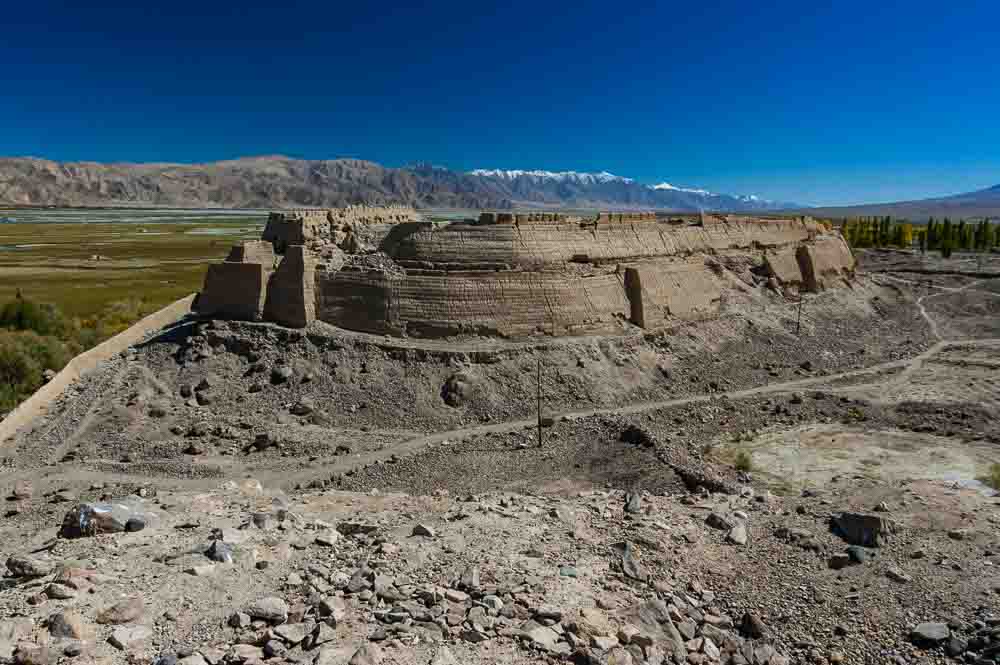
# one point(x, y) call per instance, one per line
point(234, 291)
point(660, 289)
point(825, 263)
point(303, 227)
point(291, 299)
point(537, 246)
point(489, 303)
point(507, 274)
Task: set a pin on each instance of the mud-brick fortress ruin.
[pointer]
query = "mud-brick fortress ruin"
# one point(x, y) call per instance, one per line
point(386, 270)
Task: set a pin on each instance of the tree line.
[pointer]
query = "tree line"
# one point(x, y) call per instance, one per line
point(943, 236)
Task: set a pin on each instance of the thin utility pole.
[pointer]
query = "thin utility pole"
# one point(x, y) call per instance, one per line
point(538, 382)
point(798, 320)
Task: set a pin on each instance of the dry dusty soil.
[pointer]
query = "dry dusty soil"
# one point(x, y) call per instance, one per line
point(242, 493)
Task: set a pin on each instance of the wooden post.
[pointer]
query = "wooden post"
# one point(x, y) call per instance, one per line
point(798, 320)
point(538, 381)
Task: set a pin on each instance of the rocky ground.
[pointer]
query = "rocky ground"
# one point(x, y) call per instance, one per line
point(238, 493)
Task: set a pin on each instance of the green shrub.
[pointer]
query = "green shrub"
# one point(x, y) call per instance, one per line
point(23, 314)
point(744, 461)
point(17, 368)
point(993, 479)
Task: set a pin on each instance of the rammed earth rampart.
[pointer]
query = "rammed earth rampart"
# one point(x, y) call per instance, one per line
point(385, 270)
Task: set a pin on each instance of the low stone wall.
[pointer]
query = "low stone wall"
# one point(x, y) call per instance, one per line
point(86, 362)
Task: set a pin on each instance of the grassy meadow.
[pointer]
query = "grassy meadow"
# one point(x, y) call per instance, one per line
point(71, 278)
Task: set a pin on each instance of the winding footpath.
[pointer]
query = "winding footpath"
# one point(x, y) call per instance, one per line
point(286, 478)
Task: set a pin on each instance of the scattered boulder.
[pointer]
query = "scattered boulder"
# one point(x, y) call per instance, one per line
point(70, 625)
point(753, 627)
point(864, 530)
point(423, 530)
point(90, 519)
point(638, 436)
point(128, 638)
point(369, 654)
point(22, 566)
point(930, 633)
point(458, 388)
point(303, 407)
point(270, 609)
point(281, 374)
point(124, 611)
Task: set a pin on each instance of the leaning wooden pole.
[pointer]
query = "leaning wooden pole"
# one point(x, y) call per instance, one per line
point(538, 384)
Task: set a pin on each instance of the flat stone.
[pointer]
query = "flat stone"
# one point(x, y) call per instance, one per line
point(124, 611)
point(931, 632)
point(293, 633)
point(369, 654)
point(864, 530)
point(127, 638)
point(444, 656)
point(540, 635)
point(327, 538)
point(423, 530)
point(897, 575)
point(22, 566)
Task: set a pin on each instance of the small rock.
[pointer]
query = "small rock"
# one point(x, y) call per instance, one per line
point(369, 654)
point(270, 609)
point(130, 637)
point(124, 611)
point(22, 566)
point(69, 625)
point(897, 575)
point(930, 632)
point(752, 626)
point(423, 530)
point(327, 538)
point(22, 490)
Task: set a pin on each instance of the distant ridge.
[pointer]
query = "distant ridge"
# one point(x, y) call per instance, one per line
point(275, 181)
point(981, 203)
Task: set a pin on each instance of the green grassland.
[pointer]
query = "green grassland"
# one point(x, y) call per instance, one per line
point(81, 267)
point(67, 286)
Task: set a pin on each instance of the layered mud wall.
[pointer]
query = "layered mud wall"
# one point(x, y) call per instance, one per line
point(658, 290)
point(825, 263)
point(234, 291)
point(783, 265)
point(536, 246)
point(291, 298)
point(438, 304)
point(506, 274)
point(301, 227)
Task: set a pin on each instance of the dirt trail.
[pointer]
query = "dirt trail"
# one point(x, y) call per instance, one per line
point(286, 479)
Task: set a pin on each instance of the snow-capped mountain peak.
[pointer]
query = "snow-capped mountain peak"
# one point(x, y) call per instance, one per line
point(667, 185)
point(571, 176)
point(604, 188)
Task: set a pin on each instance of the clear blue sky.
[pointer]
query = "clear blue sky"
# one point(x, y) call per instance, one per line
point(816, 102)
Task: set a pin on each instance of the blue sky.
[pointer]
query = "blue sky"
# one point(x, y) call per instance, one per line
point(824, 103)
